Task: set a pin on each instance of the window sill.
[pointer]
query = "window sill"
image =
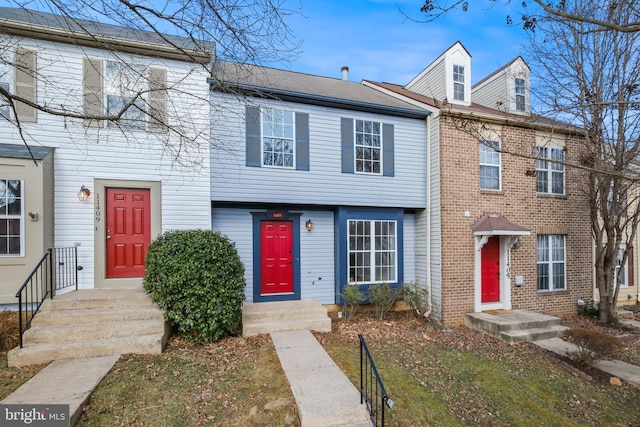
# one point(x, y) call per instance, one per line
point(552, 196)
point(492, 192)
point(554, 293)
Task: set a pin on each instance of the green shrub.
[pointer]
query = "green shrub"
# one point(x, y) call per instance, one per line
point(416, 298)
point(351, 298)
point(382, 296)
point(197, 277)
point(592, 345)
point(589, 309)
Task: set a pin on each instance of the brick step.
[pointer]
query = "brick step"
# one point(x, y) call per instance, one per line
point(95, 315)
point(32, 354)
point(94, 331)
point(534, 334)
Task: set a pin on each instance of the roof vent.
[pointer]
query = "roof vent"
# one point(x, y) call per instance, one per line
point(345, 72)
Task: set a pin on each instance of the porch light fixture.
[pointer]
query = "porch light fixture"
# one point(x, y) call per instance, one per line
point(83, 194)
point(309, 225)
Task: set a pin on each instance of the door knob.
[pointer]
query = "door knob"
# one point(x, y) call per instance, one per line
point(108, 237)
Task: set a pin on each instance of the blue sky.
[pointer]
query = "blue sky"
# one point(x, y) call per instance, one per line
point(378, 43)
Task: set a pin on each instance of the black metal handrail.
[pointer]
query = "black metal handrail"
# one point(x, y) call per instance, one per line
point(372, 391)
point(57, 269)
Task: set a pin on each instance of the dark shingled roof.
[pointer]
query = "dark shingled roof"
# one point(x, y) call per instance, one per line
point(83, 29)
point(494, 223)
point(309, 89)
point(20, 151)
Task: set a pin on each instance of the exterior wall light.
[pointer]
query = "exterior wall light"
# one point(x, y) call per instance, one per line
point(309, 225)
point(83, 194)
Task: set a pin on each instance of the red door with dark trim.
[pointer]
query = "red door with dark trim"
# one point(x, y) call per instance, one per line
point(276, 257)
point(128, 231)
point(490, 265)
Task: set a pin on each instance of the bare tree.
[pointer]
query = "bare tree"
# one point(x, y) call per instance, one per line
point(531, 12)
point(592, 78)
point(243, 31)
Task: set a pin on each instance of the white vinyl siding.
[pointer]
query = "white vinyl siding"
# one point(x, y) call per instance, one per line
point(323, 183)
point(489, 165)
point(551, 254)
point(84, 154)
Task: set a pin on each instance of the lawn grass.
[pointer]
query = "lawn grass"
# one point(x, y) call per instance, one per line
point(462, 378)
point(237, 381)
point(12, 378)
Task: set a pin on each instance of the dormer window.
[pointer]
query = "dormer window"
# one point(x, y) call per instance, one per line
point(520, 94)
point(458, 82)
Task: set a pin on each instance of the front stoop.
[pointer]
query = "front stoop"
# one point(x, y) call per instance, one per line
point(91, 323)
point(267, 317)
point(515, 326)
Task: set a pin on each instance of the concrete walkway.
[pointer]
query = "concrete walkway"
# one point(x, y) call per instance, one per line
point(624, 371)
point(65, 382)
point(324, 395)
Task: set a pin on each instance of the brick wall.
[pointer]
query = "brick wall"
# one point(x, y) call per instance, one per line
point(518, 202)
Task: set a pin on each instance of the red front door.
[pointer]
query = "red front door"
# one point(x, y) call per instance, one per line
point(128, 231)
point(490, 266)
point(276, 257)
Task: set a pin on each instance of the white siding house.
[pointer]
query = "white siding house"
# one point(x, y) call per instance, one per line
point(317, 180)
point(158, 159)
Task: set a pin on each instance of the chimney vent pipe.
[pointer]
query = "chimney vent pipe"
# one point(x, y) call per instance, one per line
point(345, 73)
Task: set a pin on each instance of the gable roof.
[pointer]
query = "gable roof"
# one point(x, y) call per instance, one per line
point(436, 61)
point(310, 89)
point(499, 70)
point(64, 29)
point(474, 109)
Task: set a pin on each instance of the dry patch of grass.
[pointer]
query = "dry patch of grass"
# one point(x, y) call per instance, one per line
point(237, 381)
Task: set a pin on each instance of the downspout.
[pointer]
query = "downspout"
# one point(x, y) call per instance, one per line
point(429, 297)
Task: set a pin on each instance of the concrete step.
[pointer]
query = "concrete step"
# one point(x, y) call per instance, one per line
point(95, 315)
point(624, 314)
point(514, 325)
point(32, 354)
point(263, 318)
point(534, 334)
point(94, 331)
point(99, 298)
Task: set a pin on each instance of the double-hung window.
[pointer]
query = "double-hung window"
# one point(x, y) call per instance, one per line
point(458, 82)
point(550, 170)
point(551, 262)
point(368, 147)
point(489, 165)
point(373, 256)
point(278, 138)
point(11, 217)
point(125, 85)
point(521, 90)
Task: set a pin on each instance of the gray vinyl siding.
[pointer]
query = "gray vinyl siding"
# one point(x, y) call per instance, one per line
point(433, 83)
point(435, 218)
point(409, 237)
point(317, 259)
point(324, 183)
point(493, 94)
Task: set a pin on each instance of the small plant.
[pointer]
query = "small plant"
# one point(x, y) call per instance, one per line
point(589, 308)
point(592, 345)
point(197, 277)
point(382, 296)
point(416, 298)
point(351, 298)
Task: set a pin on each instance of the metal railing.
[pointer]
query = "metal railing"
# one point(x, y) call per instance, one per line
point(58, 269)
point(372, 391)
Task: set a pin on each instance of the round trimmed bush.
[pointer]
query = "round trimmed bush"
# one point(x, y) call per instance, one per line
point(197, 277)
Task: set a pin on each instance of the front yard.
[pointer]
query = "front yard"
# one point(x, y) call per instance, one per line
point(435, 376)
